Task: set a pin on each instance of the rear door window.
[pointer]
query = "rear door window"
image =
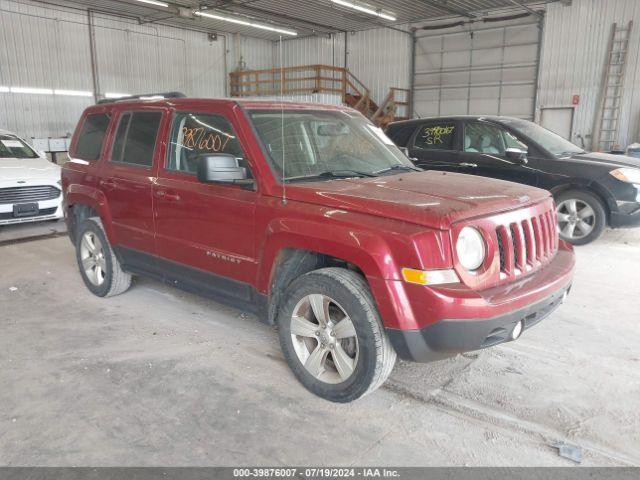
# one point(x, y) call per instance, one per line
point(135, 139)
point(436, 136)
point(91, 138)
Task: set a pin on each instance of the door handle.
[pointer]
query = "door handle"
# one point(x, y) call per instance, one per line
point(470, 165)
point(170, 196)
point(108, 183)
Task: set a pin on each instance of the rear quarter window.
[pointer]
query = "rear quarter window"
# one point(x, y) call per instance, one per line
point(91, 137)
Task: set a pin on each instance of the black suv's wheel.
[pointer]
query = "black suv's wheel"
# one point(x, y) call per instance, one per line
point(581, 217)
point(332, 337)
point(99, 267)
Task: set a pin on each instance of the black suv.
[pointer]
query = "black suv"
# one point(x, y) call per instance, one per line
point(592, 190)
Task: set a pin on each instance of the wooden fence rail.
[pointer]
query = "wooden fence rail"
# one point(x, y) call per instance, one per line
point(321, 79)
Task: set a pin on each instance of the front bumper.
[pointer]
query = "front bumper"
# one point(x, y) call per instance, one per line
point(628, 215)
point(449, 337)
point(49, 209)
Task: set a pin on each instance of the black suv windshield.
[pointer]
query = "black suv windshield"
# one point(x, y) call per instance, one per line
point(325, 144)
point(12, 147)
point(552, 142)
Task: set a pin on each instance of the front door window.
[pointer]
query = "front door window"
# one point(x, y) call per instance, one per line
point(194, 135)
point(484, 138)
point(489, 139)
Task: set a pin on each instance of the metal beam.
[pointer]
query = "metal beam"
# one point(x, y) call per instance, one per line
point(449, 9)
point(528, 9)
point(313, 26)
point(95, 79)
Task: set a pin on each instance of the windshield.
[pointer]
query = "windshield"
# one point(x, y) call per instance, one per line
point(325, 144)
point(548, 140)
point(12, 147)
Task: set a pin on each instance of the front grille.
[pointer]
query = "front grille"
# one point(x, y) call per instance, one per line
point(28, 194)
point(527, 244)
point(42, 213)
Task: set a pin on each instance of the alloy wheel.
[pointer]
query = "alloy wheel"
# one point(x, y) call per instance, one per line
point(576, 219)
point(93, 259)
point(324, 338)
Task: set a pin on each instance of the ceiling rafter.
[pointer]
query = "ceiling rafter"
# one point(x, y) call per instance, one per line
point(307, 17)
point(443, 7)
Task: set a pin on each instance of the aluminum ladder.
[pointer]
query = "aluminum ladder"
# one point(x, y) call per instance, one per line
point(608, 121)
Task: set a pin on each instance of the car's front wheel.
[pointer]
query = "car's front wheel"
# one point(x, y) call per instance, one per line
point(99, 267)
point(332, 337)
point(581, 217)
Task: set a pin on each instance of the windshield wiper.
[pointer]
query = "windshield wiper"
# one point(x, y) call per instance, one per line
point(569, 154)
point(399, 166)
point(333, 174)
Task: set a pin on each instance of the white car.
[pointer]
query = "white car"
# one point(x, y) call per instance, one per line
point(29, 184)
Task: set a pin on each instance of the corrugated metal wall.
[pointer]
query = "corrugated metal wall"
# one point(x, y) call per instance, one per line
point(574, 55)
point(42, 49)
point(381, 59)
point(311, 51)
point(49, 48)
point(256, 54)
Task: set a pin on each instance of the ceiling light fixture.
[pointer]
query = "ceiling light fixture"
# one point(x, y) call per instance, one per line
point(366, 9)
point(4, 89)
point(154, 2)
point(73, 93)
point(116, 95)
point(35, 91)
point(215, 16)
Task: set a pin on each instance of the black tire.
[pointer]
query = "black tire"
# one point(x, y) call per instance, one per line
point(599, 222)
point(375, 358)
point(116, 280)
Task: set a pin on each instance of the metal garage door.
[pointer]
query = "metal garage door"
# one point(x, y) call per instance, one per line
point(482, 71)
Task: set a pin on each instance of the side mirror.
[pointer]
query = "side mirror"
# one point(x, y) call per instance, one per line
point(220, 168)
point(516, 155)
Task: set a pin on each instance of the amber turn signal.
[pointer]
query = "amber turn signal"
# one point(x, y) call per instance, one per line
point(429, 277)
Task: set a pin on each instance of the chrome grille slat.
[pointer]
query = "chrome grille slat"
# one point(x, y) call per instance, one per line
point(527, 244)
point(530, 241)
point(28, 194)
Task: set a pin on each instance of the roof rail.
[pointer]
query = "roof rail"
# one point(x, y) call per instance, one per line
point(144, 96)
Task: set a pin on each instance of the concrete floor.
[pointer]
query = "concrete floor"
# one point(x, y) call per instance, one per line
point(160, 377)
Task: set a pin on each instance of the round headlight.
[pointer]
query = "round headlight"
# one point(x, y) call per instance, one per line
point(470, 248)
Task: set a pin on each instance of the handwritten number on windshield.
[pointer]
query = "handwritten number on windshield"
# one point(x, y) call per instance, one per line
point(198, 138)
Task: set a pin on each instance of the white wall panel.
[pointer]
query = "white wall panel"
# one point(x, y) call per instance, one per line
point(574, 55)
point(381, 59)
point(49, 48)
point(41, 50)
point(311, 51)
point(256, 54)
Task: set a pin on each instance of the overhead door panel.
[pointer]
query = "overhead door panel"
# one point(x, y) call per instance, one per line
point(482, 71)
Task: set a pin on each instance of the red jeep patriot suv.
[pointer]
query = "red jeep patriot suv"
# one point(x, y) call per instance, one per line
point(310, 217)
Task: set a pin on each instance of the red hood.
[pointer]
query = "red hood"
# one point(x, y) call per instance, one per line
point(432, 199)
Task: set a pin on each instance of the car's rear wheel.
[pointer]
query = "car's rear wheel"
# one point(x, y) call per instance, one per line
point(581, 217)
point(99, 267)
point(332, 337)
